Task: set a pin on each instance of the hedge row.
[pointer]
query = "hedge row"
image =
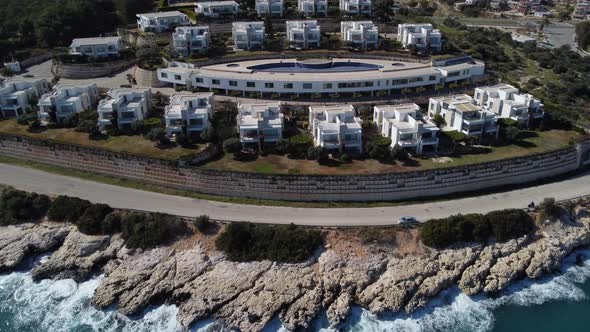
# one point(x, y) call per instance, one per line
point(501, 226)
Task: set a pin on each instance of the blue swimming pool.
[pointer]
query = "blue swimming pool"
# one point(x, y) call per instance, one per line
point(315, 67)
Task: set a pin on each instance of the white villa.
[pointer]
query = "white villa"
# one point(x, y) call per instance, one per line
point(405, 126)
point(507, 102)
point(191, 40)
point(362, 34)
point(215, 9)
point(270, 7)
point(423, 36)
point(248, 35)
point(65, 100)
point(462, 114)
point(311, 8)
point(582, 10)
point(188, 113)
point(356, 7)
point(97, 47)
point(303, 34)
point(16, 96)
point(161, 21)
point(260, 123)
point(129, 105)
point(336, 127)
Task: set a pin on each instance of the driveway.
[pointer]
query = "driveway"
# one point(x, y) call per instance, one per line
point(120, 197)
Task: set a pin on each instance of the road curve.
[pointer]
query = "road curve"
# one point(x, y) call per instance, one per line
point(121, 197)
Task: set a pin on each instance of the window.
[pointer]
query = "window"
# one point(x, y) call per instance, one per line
point(199, 80)
point(177, 77)
point(307, 86)
point(288, 86)
point(215, 82)
point(233, 83)
point(196, 122)
point(251, 84)
point(454, 74)
point(327, 85)
point(164, 75)
point(432, 78)
point(269, 85)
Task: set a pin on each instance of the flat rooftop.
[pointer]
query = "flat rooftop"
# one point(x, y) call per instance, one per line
point(95, 41)
point(173, 13)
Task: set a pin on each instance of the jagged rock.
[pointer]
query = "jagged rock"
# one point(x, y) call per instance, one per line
point(473, 278)
point(301, 312)
point(17, 242)
point(508, 269)
point(133, 270)
point(451, 264)
point(344, 276)
point(398, 283)
point(79, 256)
point(274, 290)
point(205, 295)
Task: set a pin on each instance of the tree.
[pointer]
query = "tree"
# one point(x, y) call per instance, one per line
point(209, 134)
point(583, 34)
point(18, 206)
point(510, 133)
point(232, 145)
point(439, 120)
point(158, 135)
point(91, 221)
point(66, 208)
point(6, 72)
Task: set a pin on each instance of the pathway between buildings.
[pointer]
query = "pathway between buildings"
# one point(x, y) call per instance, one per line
point(120, 197)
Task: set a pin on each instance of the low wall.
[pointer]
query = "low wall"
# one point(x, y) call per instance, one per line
point(377, 187)
point(147, 78)
point(93, 70)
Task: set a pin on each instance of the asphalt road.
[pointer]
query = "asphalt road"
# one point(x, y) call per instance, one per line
point(120, 197)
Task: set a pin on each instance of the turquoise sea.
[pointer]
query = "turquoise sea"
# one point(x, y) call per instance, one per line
point(555, 303)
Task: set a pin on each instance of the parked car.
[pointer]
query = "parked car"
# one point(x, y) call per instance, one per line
point(407, 221)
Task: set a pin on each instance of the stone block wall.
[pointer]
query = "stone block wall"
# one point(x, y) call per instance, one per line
point(377, 187)
point(98, 69)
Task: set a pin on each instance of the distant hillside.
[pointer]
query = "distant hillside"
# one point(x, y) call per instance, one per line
point(49, 23)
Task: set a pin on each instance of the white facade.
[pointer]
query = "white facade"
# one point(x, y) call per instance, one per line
point(260, 123)
point(303, 34)
point(191, 40)
point(305, 76)
point(362, 34)
point(65, 100)
point(336, 127)
point(582, 10)
point(463, 115)
point(127, 105)
point(356, 7)
point(270, 7)
point(188, 113)
point(215, 9)
point(162, 21)
point(248, 35)
point(14, 66)
point(16, 96)
point(423, 36)
point(97, 47)
point(405, 126)
point(507, 102)
point(311, 8)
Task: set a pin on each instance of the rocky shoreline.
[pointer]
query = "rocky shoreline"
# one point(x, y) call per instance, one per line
point(397, 275)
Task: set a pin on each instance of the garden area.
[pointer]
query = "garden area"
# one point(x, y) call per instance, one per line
point(134, 144)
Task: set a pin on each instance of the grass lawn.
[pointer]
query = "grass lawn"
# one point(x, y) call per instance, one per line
point(272, 164)
point(129, 144)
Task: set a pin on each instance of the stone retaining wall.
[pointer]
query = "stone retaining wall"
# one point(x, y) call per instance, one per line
point(378, 187)
point(93, 70)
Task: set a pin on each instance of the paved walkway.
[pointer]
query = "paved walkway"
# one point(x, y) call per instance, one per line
point(120, 197)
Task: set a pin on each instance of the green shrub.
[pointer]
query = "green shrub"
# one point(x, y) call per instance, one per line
point(111, 223)
point(345, 158)
point(299, 144)
point(282, 243)
point(209, 134)
point(314, 152)
point(183, 140)
point(151, 123)
point(148, 230)
point(91, 221)
point(549, 208)
point(18, 206)
point(203, 223)
point(382, 141)
point(232, 145)
point(66, 208)
point(502, 225)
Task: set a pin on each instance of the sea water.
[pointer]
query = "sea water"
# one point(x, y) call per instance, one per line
point(559, 302)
